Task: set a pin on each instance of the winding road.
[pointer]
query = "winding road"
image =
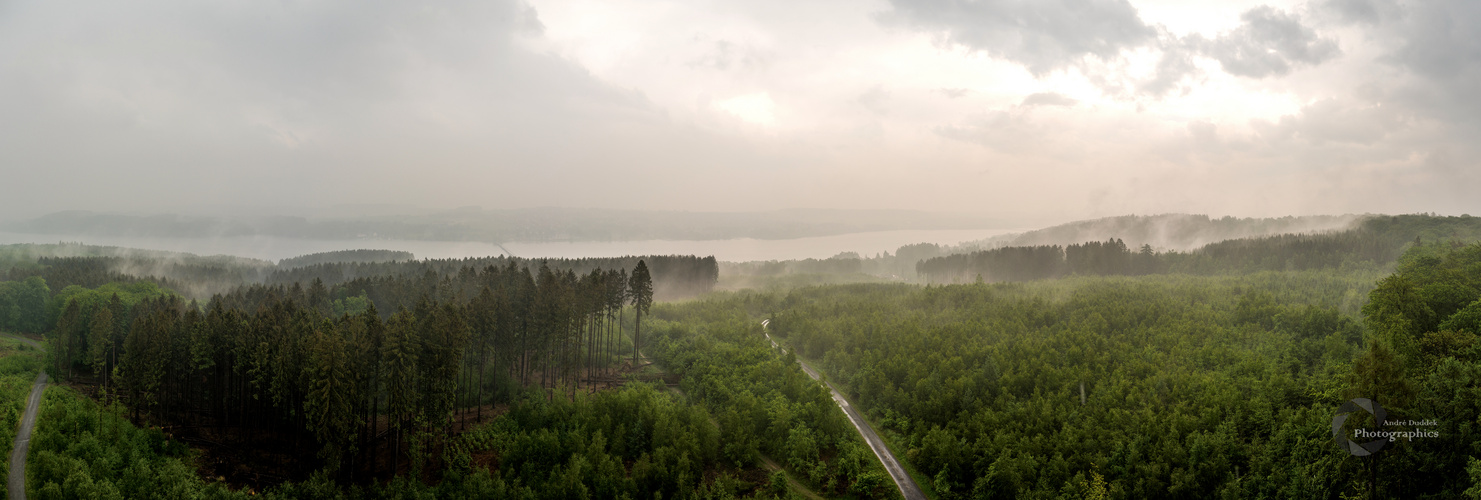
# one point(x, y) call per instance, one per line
point(17, 480)
point(908, 488)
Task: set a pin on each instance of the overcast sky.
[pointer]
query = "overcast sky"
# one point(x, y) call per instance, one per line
point(1042, 109)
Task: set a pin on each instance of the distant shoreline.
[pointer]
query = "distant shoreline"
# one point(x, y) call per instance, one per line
point(275, 248)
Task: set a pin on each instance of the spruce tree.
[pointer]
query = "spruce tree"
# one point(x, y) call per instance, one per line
point(640, 286)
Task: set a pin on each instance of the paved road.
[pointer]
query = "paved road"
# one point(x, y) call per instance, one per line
point(908, 488)
point(17, 480)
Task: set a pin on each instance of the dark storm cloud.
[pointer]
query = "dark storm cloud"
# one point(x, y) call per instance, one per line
point(1437, 44)
point(1042, 35)
point(163, 104)
point(1175, 64)
point(1269, 42)
point(1355, 11)
point(1438, 39)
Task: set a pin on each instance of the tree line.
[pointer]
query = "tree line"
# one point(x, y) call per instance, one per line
point(1359, 248)
point(360, 255)
point(1378, 241)
point(277, 361)
point(1040, 262)
point(674, 276)
point(193, 277)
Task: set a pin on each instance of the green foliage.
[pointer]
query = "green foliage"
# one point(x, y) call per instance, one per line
point(1424, 363)
point(330, 394)
point(352, 305)
point(18, 358)
point(1219, 386)
point(582, 448)
point(280, 365)
point(1196, 386)
point(778, 485)
point(23, 305)
point(1474, 470)
point(1467, 319)
point(763, 401)
point(80, 450)
point(129, 294)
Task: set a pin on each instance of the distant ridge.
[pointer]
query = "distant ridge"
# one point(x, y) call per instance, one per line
point(349, 256)
point(1180, 232)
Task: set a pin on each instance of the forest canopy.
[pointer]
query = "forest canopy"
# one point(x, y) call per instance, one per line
point(1086, 370)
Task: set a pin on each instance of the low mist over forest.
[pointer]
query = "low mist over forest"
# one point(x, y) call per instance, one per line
point(982, 365)
point(741, 249)
point(1133, 245)
point(1181, 232)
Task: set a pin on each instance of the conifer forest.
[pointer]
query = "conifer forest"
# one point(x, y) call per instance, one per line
point(1084, 371)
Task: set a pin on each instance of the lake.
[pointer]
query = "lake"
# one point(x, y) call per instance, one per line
point(275, 248)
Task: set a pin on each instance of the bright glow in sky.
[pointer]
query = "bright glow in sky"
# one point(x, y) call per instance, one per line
point(755, 108)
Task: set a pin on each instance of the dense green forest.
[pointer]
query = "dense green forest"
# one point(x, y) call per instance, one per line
point(1092, 370)
point(376, 396)
point(632, 442)
point(742, 405)
point(23, 305)
point(1193, 386)
point(1375, 244)
point(288, 366)
point(301, 380)
point(674, 276)
point(764, 403)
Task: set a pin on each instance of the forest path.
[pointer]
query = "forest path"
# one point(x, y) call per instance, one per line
point(17, 481)
point(25, 340)
point(908, 488)
point(792, 482)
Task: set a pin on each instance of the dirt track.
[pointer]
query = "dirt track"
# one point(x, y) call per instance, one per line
point(17, 484)
point(908, 488)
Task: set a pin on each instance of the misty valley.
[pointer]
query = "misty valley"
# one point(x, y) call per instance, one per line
point(1127, 357)
point(740, 249)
